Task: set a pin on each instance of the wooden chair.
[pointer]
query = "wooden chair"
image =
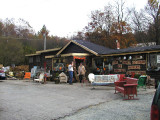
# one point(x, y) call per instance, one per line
point(27, 75)
point(142, 82)
point(63, 77)
point(121, 77)
point(41, 78)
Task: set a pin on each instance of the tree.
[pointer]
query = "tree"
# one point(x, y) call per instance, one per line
point(8, 48)
point(9, 28)
point(109, 25)
point(119, 10)
point(123, 33)
point(17, 38)
point(98, 30)
point(1, 28)
point(121, 29)
point(139, 25)
point(153, 11)
point(43, 31)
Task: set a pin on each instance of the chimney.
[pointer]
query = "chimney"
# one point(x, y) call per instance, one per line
point(118, 44)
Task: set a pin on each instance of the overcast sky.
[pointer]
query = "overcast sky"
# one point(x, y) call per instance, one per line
point(61, 17)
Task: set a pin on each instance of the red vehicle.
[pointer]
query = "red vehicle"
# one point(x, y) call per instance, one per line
point(155, 108)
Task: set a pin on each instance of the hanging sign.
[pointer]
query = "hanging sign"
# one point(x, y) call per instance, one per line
point(80, 58)
point(158, 58)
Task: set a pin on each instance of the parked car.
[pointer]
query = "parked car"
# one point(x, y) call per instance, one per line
point(2, 75)
point(155, 108)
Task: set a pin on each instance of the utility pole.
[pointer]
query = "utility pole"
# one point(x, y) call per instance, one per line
point(44, 36)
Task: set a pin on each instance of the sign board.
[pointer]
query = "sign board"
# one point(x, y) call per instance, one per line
point(158, 58)
point(139, 62)
point(114, 62)
point(126, 62)
point(134, 67)
point(119, 70)
point(137, 72)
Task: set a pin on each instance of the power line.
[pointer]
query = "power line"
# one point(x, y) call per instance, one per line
point(18, 38)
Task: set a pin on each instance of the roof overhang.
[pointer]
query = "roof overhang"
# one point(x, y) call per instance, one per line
point(30, 55)
point(69, 54)
point(130, 53)
point(42, 51)
point(48, 50)
point(75, 54)
point(50, 56)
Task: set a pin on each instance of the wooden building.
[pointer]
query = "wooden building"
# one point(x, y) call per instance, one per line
point(102, 60)
point(38, 59)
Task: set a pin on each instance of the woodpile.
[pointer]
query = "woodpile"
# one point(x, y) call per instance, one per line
point(1, 66)
point(24, 68)
point(19, 71)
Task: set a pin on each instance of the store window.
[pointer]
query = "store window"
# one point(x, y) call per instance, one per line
point(30, 59)
point(154, 62)
point(37, 58)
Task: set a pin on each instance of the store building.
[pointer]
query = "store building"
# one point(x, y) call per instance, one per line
point(101, 60)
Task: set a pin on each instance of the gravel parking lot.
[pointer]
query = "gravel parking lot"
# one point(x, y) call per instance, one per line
point(116, 110)
point(27, 100)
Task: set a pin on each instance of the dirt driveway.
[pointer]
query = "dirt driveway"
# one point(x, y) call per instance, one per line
point(26, 100)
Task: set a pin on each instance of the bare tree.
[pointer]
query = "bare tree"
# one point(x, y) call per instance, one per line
point(153, 12)
point(139, 24)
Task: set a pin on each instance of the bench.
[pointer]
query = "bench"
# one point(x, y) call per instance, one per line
point(102, 80)
point(127, 87)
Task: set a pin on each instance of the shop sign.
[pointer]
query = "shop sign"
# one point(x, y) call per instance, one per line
point(114, 62)
point(119, 70)
point(136, 72)
point(126, 62)
point(133, 67)
point(158, 58)
point(139, 62)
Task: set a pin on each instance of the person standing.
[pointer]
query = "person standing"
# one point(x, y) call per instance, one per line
point(70, 70)
point(81, 72)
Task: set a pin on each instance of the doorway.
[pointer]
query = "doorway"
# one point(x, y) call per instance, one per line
point(77, 62)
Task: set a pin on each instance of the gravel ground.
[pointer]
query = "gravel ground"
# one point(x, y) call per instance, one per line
point(117, 110)
point(27, 100)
